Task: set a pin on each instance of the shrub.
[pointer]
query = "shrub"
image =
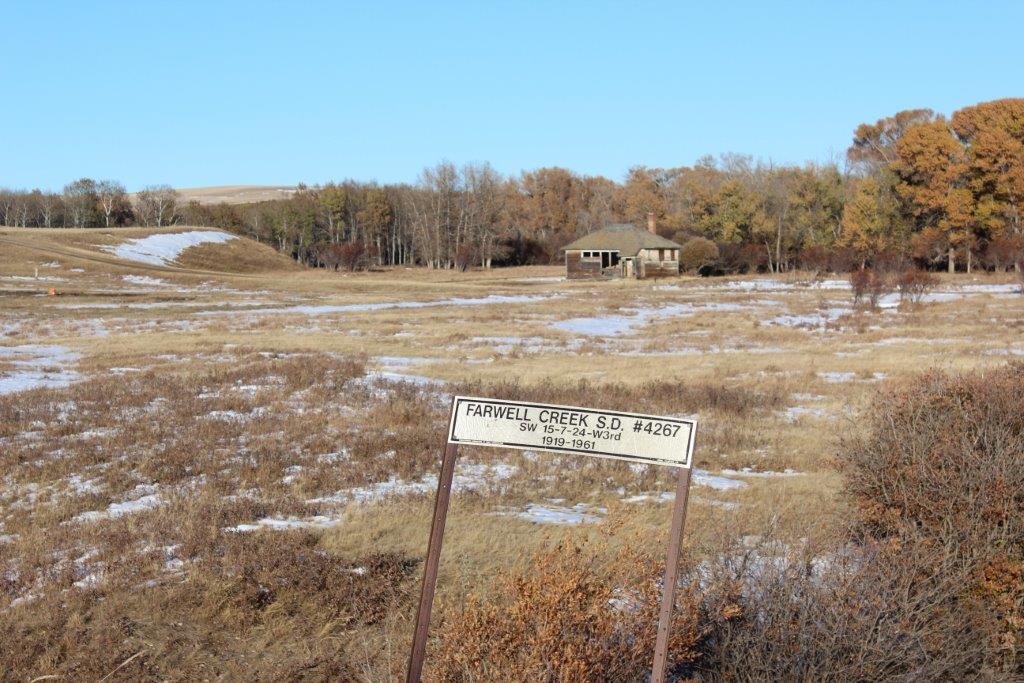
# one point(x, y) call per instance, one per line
point(1003, 252)
point(867, 613)
point(464, 257)
point(868, 285)
point(566, 619)
point(940, 465)
point(698, 253)
point(888, 263)
point(815, 259)
point(913, 284)
point(843, 260)
point(353, 256)
point(743, 258)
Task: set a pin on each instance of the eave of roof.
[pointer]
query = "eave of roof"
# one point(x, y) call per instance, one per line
point(624, 238)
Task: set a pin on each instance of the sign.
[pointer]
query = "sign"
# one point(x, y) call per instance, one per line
point(565, 429)
point(562, 429)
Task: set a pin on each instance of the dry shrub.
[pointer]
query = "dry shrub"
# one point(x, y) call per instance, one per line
point(270, 606)
point(869, 613)
point(913, 284)
point(671, 397)
point(869, 286)
point(698, 253)
point(939, 465)
point(567, 619)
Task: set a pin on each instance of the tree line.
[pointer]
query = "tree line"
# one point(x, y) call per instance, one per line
point(88, 203)
point(915, 186)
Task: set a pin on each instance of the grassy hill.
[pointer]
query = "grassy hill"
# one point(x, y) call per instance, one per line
point(165, 250)
point(235, 194)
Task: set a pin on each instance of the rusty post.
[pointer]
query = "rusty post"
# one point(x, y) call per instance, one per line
point(668, 597)
point(444, 491)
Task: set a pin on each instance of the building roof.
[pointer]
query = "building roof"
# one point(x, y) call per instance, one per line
point(624, 238)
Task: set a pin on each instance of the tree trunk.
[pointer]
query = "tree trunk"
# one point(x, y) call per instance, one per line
point(952, 260)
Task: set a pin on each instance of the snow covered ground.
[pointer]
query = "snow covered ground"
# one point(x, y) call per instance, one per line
point(619, 324)
point(165, 249)
point(37, 365)
point(323, 309)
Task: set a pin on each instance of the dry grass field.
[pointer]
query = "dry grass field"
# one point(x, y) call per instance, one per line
point(222, 465)
point(234, 194)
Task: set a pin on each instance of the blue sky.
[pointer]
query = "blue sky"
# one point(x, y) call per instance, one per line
point(195, 94)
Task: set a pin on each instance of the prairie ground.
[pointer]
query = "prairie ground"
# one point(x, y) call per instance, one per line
point(225, 464)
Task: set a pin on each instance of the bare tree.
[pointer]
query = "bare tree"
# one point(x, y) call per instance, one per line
point(80, 201)
point(483, 208)
point(6, 206)
point(156, 205)
point(111, 195)
point(49, 205)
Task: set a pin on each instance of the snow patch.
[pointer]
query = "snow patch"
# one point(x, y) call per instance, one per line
point(557, 514)
point(37, 366)
point(162, 250)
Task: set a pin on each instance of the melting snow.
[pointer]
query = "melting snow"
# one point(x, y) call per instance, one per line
point(705, 478)
point(322, 309)
point(615, 325)
point(284, 523)
point(37, 366)
point(818, 319)
point(146, 498)
point(557, 514)
point(162, 250)
point(468, 477)
point(748, 472)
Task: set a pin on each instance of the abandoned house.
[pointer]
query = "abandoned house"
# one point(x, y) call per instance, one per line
point(622, 250)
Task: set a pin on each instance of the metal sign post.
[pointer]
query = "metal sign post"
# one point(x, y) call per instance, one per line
point(562, 429)
point(444, 492)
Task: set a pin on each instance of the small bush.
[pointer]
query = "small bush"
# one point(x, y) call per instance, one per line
point(698, 253)
point(913, 284)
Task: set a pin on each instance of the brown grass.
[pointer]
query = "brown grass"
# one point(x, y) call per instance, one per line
point(237, 417)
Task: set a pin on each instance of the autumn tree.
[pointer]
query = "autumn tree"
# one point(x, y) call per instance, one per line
point(931, 167)
point(376, 217)
point(871, 222)
point(551, 203)
point(643, 193)
point(333, 203)
point(736, 215)
point(993, 134)
point(874, 144)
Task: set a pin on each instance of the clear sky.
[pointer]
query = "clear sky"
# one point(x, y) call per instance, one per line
point(214, 93)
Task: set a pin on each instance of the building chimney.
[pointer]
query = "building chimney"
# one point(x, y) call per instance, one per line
point(652, 224)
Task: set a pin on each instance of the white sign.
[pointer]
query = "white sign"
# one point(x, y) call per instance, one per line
point(565, 429)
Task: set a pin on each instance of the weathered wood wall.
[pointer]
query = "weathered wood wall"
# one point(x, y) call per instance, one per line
point(576, 267)
point(649, 269)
